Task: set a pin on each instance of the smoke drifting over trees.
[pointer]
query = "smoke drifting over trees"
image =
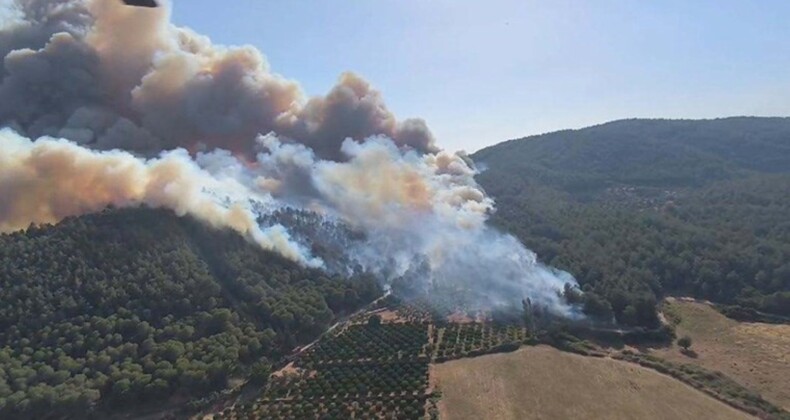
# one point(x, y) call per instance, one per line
point(111, 105)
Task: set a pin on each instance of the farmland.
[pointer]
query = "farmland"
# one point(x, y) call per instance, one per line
point(754, 354)
point(376, 365)
point(386, 342)
point(366, 369)
point(396, 361)
point(470, 339)
point(541, 382)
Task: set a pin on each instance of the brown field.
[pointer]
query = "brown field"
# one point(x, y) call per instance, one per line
point(544, 383)
point(755, 355)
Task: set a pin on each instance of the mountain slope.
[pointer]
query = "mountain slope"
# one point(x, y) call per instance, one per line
point(641, 208)
point(131, 306)
point(661, 153)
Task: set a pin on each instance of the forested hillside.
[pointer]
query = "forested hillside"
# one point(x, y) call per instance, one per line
point(637, 209)
point(111, 310)
point(130, 306)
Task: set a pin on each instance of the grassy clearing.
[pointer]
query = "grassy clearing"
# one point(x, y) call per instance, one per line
point(712, 383)
point(755, 355)
point(544, 383)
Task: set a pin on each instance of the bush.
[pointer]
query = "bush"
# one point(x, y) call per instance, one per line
point(684, 342)
point(260, 371)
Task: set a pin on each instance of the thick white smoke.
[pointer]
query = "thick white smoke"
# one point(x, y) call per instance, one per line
point(127, 109)
point(50, 179)
point(423, 216)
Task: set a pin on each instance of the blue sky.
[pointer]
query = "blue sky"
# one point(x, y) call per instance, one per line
point(480, 72)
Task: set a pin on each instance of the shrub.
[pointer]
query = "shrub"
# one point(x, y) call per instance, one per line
point(685, 342)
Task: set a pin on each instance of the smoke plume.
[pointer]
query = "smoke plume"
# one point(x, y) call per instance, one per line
point(107, 75)
point(106, 104)
point(50, 179)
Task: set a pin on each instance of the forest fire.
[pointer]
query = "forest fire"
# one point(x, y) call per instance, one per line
point(99, 118)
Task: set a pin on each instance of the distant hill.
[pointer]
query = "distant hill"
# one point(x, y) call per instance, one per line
point(641, 208)
point(660, 153)
point(127, 307)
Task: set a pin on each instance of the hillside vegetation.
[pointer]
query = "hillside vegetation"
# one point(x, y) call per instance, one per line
point(638, 209)
point(130, 306)
point(756, 355)
point(542, 382)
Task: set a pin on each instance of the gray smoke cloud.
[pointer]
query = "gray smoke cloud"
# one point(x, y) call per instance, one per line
point(110, 105)
point(106, 75)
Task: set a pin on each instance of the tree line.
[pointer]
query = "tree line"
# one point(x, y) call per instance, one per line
point(640, 209)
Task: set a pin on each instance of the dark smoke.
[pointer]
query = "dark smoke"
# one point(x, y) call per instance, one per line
point(109, 76)
point(112, 105)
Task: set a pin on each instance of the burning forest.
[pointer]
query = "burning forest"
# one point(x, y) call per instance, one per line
point(96, 117)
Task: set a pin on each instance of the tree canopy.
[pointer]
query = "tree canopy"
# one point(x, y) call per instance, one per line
point(129, 306)
point(638, 209)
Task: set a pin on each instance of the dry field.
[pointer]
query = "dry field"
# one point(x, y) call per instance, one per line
point(756, 355)
point(544, 383)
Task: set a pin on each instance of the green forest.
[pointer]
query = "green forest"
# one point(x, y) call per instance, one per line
point(106, 311)
point(640, 209)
